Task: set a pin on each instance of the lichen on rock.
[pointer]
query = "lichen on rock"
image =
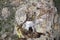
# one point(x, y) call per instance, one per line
point(28, 19)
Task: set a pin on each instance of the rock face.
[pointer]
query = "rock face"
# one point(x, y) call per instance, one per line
point(29, 20)
point(40, 12)
point(5, 13)
point(20, 15)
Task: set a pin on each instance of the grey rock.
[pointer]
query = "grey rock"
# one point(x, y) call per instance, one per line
point(20, 15)
point(4, 35)
point(5, 13)
point(41, 13)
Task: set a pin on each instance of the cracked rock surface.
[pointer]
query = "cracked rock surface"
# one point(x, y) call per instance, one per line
point(29, 20)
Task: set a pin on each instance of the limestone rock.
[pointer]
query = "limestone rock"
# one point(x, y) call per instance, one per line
point(55, 18)
point(38, 14)
point(4, 35)
point(20, 15)
point(41, 12)
point(5, 12)
point(15, 2)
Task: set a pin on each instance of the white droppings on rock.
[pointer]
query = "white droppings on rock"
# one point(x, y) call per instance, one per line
point(28, 24)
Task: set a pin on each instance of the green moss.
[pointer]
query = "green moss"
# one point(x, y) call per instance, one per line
point(0, 28)
point(57, 4)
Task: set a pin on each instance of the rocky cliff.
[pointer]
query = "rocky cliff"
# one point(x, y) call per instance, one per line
point(30, 19)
